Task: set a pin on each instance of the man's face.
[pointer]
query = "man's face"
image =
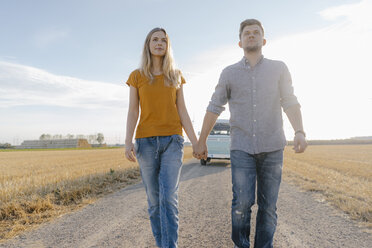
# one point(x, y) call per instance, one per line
point(158, 44)
point(251, 39)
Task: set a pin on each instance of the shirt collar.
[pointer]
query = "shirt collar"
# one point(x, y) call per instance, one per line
point(245, 62)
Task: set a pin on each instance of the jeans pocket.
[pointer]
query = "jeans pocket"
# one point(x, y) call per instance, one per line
point(137, 147)
point(179, 140)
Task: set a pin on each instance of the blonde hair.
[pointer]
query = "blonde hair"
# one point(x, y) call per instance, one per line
point(172, 76)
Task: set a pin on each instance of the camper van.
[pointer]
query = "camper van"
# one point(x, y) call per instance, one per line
point(218, 142)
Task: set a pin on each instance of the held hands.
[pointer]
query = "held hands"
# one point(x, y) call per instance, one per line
point(130, 153)
point(200, 150)
point(299, 143)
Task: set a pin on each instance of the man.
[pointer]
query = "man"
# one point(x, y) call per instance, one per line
point(256, 89)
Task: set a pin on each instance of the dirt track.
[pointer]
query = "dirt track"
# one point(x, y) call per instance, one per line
point(120, 219)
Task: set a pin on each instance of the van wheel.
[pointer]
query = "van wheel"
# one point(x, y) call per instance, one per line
point(203, 162)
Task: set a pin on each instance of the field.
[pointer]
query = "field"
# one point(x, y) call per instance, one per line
point(342, 174)
point(36, 186)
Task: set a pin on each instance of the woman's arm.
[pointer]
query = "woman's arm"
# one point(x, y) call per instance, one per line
point(132, 118)
point(184, 116)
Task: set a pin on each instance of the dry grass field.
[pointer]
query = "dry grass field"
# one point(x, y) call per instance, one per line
point(341, 173)
point(36, 186)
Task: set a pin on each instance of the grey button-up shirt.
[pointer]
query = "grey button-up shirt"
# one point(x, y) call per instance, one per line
point(256, 97)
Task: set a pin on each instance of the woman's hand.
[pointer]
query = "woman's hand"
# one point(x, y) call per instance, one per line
point(130, 153)
point(195, 147)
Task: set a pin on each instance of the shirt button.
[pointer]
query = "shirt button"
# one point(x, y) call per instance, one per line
point(254, 120)
point(254, 135)
point(254, 90)
point(254, 105)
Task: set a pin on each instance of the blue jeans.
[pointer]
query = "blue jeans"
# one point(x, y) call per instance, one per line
point(160, 160)
point(246, 168)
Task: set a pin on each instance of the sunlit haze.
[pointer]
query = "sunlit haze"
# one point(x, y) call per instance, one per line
point(63, 68)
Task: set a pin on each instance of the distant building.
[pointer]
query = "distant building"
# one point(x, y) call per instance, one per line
point(58, 143)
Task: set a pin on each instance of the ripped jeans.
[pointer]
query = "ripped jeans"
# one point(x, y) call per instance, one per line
point(160, 161)
point(246, 169)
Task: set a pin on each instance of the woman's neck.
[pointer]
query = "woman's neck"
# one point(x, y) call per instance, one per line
point(157, 65)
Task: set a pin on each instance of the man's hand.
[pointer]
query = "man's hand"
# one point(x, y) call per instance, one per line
point(130, 153)
point(300, 143)
point(200, 150)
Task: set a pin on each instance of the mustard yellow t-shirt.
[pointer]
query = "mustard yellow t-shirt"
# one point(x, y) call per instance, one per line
point(159, 115)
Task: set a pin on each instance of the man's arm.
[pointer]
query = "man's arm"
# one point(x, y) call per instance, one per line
point(295, 118)
point(291, 107)
point(214, 109)
point(201, 151)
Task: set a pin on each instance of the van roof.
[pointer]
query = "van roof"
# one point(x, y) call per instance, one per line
point(222, 121)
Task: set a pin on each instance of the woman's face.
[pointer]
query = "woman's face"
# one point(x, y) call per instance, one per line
point(158, 44)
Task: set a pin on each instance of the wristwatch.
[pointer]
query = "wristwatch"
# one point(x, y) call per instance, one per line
point(300, 131)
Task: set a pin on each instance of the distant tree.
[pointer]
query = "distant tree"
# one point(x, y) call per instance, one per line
point(6, 146)
point(100, 138)
point(69, 136)
point(45, 137)
point(92, 139)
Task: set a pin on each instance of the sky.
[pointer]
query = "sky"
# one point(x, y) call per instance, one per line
point(64, 64)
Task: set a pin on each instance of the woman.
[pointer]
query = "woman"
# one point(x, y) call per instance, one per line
point(158, 88)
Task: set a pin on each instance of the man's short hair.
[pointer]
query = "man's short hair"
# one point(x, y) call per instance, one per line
point(249, 22)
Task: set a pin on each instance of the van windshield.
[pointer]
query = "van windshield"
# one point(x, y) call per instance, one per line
point(221, 129)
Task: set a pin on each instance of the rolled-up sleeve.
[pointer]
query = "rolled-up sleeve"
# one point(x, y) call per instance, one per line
point(220, 95)
point(287, 97)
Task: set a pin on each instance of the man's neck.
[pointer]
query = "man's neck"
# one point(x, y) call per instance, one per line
point(253, 57)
